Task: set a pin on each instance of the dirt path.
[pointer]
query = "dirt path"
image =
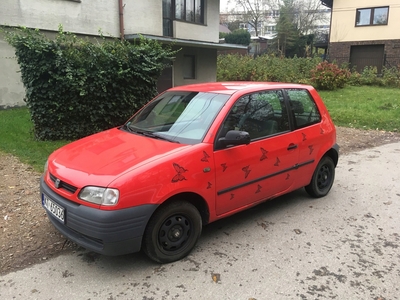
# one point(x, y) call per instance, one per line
point(27, 237)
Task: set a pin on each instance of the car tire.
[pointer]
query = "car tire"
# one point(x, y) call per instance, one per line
point(322, 179)
point(172, 232)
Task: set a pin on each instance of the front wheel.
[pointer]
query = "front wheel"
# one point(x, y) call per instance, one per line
point(172, 232)
point(322, 179)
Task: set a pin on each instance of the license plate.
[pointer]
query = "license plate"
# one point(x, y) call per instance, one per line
point(53, 208)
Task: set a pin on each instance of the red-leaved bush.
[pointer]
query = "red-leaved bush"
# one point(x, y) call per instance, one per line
point(328, 76)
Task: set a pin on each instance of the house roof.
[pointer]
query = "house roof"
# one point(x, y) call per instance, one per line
point(328, 3)
point(187, 43)
point(223, 28)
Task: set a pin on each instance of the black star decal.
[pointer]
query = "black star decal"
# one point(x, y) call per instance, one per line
point(258, 189)
point(304, 137)
point(276, 164)
point(287, 176)
point(209, 185)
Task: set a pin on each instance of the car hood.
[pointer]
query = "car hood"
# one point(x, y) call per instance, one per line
point(102, 157)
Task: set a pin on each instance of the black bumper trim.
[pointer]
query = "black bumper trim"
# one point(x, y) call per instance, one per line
point(114, 232)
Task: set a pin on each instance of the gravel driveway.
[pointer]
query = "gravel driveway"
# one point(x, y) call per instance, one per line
point(27, 237)
point(343, 246)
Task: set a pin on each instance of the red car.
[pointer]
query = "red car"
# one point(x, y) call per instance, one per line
point(191, 156)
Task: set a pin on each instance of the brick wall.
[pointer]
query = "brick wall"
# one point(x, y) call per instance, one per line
point(340, 52)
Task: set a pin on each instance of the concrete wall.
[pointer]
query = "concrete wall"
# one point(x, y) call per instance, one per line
point(86, 17)
point(205, 66)
point(143, 17)
point(344, 19)
point(208, 32)
point(78, 17)
point(12, 91)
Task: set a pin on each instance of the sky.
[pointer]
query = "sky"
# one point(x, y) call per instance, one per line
point(223, 5)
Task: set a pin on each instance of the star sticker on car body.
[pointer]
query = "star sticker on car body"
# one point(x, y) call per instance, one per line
point(276, 164)
point(259, 187)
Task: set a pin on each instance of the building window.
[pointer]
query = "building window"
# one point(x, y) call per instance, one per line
point(190, 10)
point(167, 18)
point(184, 10)
point(189, 67)
point(372, 16)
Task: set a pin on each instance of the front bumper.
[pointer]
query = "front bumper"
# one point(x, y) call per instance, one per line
point(113, 232)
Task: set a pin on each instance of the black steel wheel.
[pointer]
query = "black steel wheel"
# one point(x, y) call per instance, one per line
point(322, 179)
point(172, 232)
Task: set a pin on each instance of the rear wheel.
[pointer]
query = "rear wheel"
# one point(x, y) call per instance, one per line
point(322, 179)
point(172, 232)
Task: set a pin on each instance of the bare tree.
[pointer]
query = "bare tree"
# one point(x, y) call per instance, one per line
point(253, 12)
point(309, 14)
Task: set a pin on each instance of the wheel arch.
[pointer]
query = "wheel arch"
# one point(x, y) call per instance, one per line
point(334, 154)
point(196, 200)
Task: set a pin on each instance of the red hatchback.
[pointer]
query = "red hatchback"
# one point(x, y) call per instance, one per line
point(193, 155)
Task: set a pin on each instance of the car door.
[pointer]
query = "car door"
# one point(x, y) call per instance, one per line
point(266, 167)
point(308, 128)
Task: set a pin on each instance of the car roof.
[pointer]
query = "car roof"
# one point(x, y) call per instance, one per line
point(230, 87)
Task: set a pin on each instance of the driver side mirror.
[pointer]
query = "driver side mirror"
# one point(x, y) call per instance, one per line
point(234, 138)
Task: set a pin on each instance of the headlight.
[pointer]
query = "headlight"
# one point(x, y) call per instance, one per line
point(99, 195)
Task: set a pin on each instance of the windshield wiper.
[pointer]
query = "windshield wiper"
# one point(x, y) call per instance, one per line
point(150, 134)
point(130, 129)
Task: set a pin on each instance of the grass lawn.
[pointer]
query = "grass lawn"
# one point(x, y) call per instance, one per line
point(16, 137)
point(364, 107)
point(358, 107)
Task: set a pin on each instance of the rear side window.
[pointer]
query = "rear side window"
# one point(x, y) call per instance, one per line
point(303, 108)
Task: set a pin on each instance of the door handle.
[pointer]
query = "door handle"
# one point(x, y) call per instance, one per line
point(292, 146)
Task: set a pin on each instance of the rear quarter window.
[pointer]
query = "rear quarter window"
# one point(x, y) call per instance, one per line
point(304, 110)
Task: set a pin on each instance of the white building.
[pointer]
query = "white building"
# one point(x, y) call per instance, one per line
point(191, 25)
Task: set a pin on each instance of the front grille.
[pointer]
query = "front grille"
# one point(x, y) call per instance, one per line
point(63, 185)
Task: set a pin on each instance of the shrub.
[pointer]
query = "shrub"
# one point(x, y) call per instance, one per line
point(328, 76)
point(391, 77)
point(369, 76)
point(75, 87)
point(239, 36)
point(354, 78)
point(265, 68)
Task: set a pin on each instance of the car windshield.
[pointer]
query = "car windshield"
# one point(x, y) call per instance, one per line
point(182, 117)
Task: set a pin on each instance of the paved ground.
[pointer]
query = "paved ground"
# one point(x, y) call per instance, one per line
point(343, 246)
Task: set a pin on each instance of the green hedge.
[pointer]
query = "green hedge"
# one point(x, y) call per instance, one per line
point(76, 87)
point(323, 75)
point(265, 68)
